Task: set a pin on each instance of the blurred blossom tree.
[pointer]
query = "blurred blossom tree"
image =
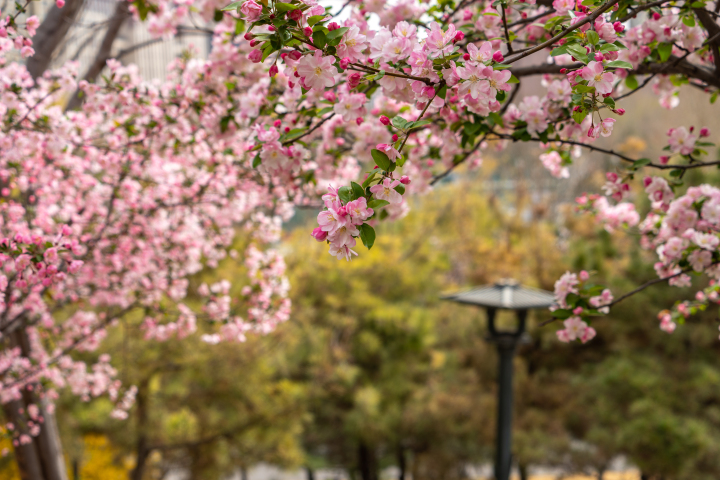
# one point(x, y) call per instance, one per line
point(110, 204)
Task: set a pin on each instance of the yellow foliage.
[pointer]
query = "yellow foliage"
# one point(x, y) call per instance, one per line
point(101, 460)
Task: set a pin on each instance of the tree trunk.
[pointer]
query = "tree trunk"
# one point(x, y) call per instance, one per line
point(141, 407)
point(42, 458)
point(115, 23)
point(402, 466)
point(50, 35)
point(310, 473)
point(523, 471)
point(367, 463)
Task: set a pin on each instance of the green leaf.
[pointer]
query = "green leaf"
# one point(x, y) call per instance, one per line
point(399, 122)
point(367, 235)
point(577, 51)
point(285, 7)
point(325, 110)
point(562, 314)
point(232, 6)
point(319, 40)
point(377, 203)
point(619, 64)
point(513, 79)
point(256, 161)
point(579, 116)
point(218, 15)
point(338, 32)
point(400, 189)
point(664, 50)
point(442, 92)
point(357, 190)
point(641, 163)
point(592, 37)
point(609, 47)
point(345, 194)
point(368, 180)
point(689, 20)
point(315, 19)
point(382, 160)
point(676, 173)
point(584, 89)
point(294, 133)
point(631, 82)
point(418, 124)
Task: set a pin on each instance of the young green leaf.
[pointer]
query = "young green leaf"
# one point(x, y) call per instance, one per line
point(382, 160)
point(376, 203)
point(367, 235)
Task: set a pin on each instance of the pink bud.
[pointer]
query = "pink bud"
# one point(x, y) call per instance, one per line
point(466, 56)
point(333, 26)
point(578, 311)
point(458, 37)
point(498, 57)
point(584, 275)
point(277, 123)
point(405, 180)
point(253, 43)
point(599, 57)
point(248, 36)
point(620, 111)
point(704, 132)
point(273, 71)
point(318, 234)
point(308, 31)
point(692, 128)
point(384, 120)
point(394, 138)
point(354, 79)
point(295, 55)
point(295, 14)
point(375, 111)
point(291, 85)
point(287, 129)
point(344, 63)
point(619, 27)
point(330, 96)
point(563, 70)
point(271, 28)
point(656, 16)
point(647, 181)
point(664, 159)
point(60, 3)
point(611, 177)
point(467, 15)
point(255, 56)
point(359, 120)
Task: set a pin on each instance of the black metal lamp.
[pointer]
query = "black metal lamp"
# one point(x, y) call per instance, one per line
point(506, 294)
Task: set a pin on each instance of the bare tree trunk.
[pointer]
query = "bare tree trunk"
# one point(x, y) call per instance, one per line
point(50, 34)
point(402, 465)
point(367, 463)
point(42, 458)
point(122, 13)
point(142, 442)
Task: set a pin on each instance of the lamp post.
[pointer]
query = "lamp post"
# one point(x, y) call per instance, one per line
point(508, 295)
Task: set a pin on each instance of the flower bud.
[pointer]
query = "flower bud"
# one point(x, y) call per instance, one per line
point(599, 57)
point(656, 16)
point(577, 310)
point(249, 36)
point(318, 234)
point(60, 3)
point(611, 177)
point(647, 181)
point(330, 96)
point(253, 43)
point(273, 71)
point(359, 120)
point(458, 37)
point(291, 85)
point(664, 159)
point(704, 132)
point(295, 14)
point(295, 55)
point(619, 27)
point(466, 56)
point(354, 79)
point(344, 63)
point(277, 123)
point(333, 26)
point(584, 275)
point(308, 31)
point(467, 15)
point(394, 138)
point(498, 56)
point(255, 56)
point(384, 120)
point(563, 70)
point(271, 28)
point(287, 129)
point(405, 180)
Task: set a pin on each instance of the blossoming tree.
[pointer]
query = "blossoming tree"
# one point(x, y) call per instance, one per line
point(107, 209)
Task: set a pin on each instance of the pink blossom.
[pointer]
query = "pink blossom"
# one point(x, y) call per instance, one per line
point(317, 71)
point(389, 150)
point(681, 140)
point(386, 191)
point(553, 162)
point(598, 78)
point(251, 10)
point(440, 42)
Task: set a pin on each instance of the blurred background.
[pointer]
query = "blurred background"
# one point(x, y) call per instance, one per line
point(374, 377)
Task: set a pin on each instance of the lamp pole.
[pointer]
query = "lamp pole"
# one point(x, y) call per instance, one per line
point(506, 343)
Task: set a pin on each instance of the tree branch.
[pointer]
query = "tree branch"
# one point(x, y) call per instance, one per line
point(50, 34)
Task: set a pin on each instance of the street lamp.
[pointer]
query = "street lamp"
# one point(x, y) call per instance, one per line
point(506, 294)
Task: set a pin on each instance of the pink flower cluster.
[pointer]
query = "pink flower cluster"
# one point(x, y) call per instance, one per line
point(338, 223)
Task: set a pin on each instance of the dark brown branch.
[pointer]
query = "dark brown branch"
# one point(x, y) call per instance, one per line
point(590, 18)
point(50, 34)
point(713, 30)
point(121, 14)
